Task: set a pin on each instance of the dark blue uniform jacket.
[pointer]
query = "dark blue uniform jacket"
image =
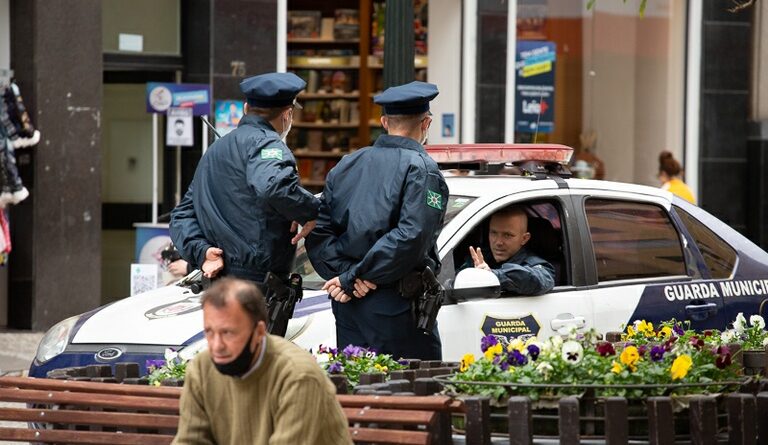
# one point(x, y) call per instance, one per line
point(382, 221)
point(523, 274)
point(243, 199)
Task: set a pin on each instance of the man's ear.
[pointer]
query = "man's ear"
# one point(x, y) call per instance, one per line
point(261, 328)
point(526, 238)
point(385, 123)
point(246, 107)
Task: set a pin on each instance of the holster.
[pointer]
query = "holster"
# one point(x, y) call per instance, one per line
point(281, 299)
point(411, 286)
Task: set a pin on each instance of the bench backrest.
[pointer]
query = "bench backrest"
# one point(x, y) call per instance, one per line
point(64, 411)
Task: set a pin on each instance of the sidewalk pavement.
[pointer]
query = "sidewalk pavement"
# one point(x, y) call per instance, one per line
point(17, 349)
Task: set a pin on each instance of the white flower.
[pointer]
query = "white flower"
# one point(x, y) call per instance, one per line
point(765, 341)
point(170, 355)
point(757, 321)
point(740, 324)
point(727, 336)
point(572, 352)
point(544, 368)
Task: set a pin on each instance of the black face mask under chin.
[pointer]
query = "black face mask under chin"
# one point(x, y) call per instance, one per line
point(240, 364)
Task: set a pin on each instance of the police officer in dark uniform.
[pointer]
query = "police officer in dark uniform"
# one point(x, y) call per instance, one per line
point(240, 213)
point(382, 210)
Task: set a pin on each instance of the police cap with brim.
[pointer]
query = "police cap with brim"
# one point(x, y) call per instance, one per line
point(272, 90)
point(411, 98)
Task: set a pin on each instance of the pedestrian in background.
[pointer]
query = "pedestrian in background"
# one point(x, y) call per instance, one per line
point(245, 202)
point(382, 210)
point(670, 175)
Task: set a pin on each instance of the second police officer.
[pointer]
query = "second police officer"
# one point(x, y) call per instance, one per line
point(241, 211)
point(381, 212)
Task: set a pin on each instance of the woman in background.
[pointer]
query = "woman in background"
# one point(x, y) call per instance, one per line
point(669, 175)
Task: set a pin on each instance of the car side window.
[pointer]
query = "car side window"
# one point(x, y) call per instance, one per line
point(718, 255)
point(633, 240)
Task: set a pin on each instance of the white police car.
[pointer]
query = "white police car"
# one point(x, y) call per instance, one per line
point(622, 252)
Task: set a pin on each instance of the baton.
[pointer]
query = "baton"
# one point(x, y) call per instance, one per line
point(218, 136)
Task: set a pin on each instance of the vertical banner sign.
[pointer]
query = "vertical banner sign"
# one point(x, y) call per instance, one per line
point(535, 88)
point(179, 127)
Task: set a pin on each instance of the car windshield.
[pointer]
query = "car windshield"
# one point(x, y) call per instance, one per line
point(312, 280)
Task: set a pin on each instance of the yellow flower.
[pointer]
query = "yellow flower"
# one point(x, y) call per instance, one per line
point(467, 360)
point(380, 368)
point(616, 367)
point(630, 356)
point(630, 332)
point(516, 344)
point(681, 366)
point(157, 383)
point(646, 328)
point(493, 351)
point(665, 332)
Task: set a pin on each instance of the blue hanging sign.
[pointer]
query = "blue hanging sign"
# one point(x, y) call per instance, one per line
point(162, 96)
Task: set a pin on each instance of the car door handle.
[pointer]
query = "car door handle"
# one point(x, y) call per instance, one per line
point(559, 323)
point(699, 312)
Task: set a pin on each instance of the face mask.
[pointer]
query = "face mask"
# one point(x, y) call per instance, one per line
point(286, 128)
point(240, 364)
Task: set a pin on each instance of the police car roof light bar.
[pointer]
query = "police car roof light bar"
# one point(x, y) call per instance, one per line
point(499, 153)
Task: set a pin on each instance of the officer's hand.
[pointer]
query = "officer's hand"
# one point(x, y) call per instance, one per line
point(305, 229)
point(214, 262)
point(178, 268)
point(362, 287)
point(333, 286)
point(477, 258)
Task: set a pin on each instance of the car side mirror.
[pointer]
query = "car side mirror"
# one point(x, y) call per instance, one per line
point(472, 284)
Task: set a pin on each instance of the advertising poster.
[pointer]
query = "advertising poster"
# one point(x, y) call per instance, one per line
point(228, 115)
point(535, 87)
point(179, 127)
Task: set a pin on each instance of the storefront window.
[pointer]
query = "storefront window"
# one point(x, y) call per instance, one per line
point(141, 26)
point(605, 81)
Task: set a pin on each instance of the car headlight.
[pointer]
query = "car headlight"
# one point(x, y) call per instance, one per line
point(55, 340)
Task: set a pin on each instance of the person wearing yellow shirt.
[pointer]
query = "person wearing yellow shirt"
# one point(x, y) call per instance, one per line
point(670, 173)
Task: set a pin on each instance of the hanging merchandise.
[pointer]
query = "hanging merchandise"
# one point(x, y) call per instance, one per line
point(16, 120)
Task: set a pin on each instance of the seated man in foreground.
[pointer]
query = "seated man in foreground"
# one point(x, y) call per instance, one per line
point(518, 270)
point(252, 387)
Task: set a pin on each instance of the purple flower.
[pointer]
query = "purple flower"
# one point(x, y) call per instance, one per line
point(353, 351)
point(156, 363)
point(335, 368)
point(404, 362)
point(678, 329)
point(605, 349)
point(488, 341)
point(697, 342)
point(333, 351)
point(504, 366)
point(642, 349)
point(723, 359)
point(534, 352)
point(657, 353)
point(516, 358)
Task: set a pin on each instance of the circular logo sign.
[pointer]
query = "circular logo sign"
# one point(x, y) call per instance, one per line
point(160, 98)
point(108, 354)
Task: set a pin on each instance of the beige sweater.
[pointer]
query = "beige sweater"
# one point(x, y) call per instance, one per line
point(288, 399)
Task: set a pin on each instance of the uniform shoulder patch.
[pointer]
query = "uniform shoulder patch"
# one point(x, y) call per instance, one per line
point(272, 153)
point(434, 200)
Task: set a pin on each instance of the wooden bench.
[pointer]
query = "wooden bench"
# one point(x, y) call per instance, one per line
point(78, 412)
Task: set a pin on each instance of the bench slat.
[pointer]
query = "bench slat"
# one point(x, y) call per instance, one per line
point(82, 437)
point(433, 403)
point(370, 435)
point(90, 387)
point(391, 416)
point(71, 417)
point(90, 399)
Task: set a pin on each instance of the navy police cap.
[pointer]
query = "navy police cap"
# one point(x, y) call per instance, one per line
point(411, 98)
point(272, 90)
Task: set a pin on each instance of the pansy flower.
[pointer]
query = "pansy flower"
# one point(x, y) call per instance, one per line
point(517, 358)
point(488, 341)
point(466, 361)
point(657, 353)
point(533, 351)
point(630, 356)
point(493, 351)
point(681, 366)
point(605, 349)
point(335, 368)
point(665, 332)
point(677, 329)
point(572, 352)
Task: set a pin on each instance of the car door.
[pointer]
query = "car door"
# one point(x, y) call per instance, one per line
point(462, 325)
point(641, 267)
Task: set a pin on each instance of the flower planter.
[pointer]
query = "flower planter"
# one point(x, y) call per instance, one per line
point(755, 362)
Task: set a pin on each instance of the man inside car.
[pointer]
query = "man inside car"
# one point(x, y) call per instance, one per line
point(518, 269)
